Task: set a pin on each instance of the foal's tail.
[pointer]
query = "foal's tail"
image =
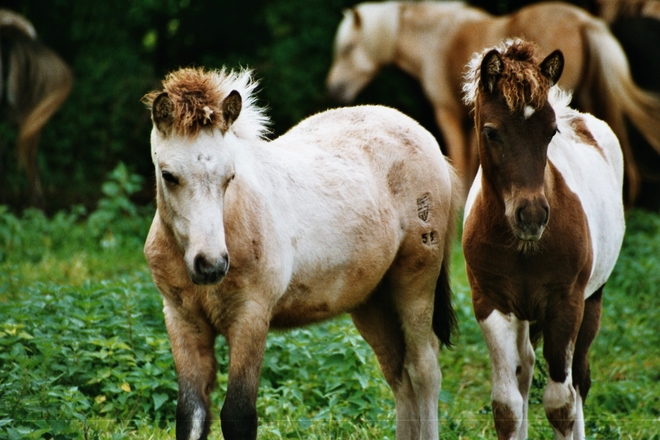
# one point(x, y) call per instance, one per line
point(445, 323)
point(613, 96)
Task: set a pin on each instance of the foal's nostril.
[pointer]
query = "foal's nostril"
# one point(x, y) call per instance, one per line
point(202, 265)
point(519, 217)
point(210, 271)
point(547, 215)
point(223, 264)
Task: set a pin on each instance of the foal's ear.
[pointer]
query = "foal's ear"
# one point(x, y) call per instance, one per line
point(552, 66)
point(162, 113)
point(357, 19)
point(231, 107)
point(491, 69)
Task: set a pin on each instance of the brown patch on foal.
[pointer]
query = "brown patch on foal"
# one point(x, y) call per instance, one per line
point(583, 132)
point(559, 418)
point(195, 98)
point(396, 177)
point(505, 420)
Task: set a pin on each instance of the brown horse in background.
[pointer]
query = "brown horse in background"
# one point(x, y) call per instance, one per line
point(34, 82)
point(433, 41)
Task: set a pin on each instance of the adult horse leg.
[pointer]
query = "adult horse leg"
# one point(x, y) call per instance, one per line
point(581, 371)
point(27, 146)
point(194, 357)
point(28, 138)
point(560, 330)
point(246, 337)
point(512, 364)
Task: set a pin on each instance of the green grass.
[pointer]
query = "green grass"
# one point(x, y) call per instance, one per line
point(84, 351)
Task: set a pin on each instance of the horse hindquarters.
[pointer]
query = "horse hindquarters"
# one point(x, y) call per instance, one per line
point(410, 307)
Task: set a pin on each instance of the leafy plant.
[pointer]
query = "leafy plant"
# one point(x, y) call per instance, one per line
point(84, 352)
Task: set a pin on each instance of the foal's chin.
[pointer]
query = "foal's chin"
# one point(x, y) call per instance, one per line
point(528, 242)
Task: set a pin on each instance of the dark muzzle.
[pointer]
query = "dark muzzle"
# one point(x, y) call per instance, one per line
point(531, 218)
point(209, 271)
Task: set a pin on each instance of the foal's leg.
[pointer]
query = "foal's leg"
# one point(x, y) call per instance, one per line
point(416, 386)
point(512, 363)
point(379, 325)
point(246, 337)
point(194, 357)
point(581, 371)
point(413, 299)
point(525, 372)
point(560, 330)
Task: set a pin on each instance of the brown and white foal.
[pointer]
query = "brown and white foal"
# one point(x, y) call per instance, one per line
point(543, 227)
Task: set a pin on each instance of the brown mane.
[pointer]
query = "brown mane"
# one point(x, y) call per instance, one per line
point(521, 81)
point(196, 98)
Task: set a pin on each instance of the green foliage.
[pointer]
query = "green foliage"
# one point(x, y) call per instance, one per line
point(84, 350)
point(76, 354)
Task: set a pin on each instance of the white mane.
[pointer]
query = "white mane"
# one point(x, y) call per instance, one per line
point(252, 122)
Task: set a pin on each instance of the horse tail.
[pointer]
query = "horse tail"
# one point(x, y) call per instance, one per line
point(615, 96)
point(445, 323)
point(40, 81)
point(10, 19)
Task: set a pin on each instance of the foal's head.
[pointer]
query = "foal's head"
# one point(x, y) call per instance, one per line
point(515, 123)
point(192, 146)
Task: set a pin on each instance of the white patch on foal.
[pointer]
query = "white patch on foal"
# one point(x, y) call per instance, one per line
point(198, 423)
point(529, 111)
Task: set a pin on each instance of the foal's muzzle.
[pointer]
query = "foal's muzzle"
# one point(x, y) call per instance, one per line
point(209, 271)
point(531, 218)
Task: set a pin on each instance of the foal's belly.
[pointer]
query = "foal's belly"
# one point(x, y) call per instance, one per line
point(309, 302)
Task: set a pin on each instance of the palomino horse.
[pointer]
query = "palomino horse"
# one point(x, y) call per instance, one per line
point(612, 10)
point(433, 41)
point(351, 211)
point(33, 85)
point(542, 231)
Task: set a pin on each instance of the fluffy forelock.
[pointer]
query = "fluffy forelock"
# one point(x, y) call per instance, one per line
point(197, 95)
point(521, 81)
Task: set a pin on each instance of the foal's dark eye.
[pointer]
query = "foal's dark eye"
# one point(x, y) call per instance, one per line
point(491, 134)
point(170, 178)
